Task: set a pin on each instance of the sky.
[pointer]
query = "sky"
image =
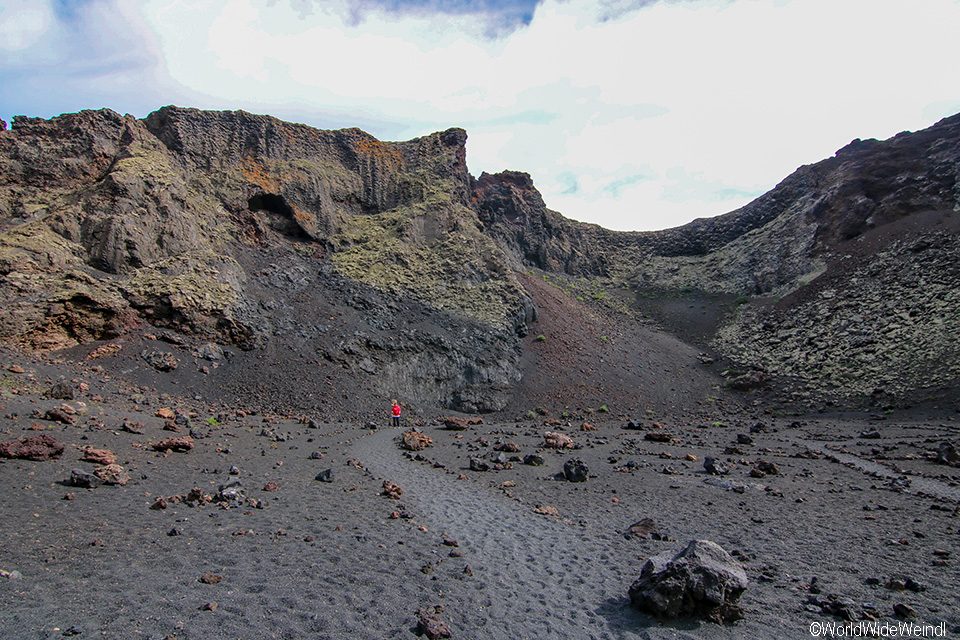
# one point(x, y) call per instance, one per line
point(633, 114)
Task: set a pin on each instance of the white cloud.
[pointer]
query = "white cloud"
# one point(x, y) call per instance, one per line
point(21, 25)
point(657, 112)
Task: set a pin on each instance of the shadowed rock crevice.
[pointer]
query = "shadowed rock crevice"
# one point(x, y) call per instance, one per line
point(279, 215)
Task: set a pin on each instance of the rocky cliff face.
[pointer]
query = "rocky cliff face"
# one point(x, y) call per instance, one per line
point(334, 264)
point(880, 328)
point(211, 223)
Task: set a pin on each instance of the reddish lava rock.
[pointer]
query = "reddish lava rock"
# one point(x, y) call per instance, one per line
point(210, 578)
point(554, 440)
point(431, 625)
point(182, 444)
point(39, 448)
point(271, 486)
point(99, 456)
point(112, 474)
point(391, 490)
point(416, 441)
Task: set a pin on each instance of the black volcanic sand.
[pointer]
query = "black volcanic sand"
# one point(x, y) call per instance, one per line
point(325, 560)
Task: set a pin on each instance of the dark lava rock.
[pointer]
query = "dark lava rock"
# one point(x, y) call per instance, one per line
point(947, 454)
point(871, 434)
point(839, 606)
point(39, 448)
point(325, 476)
point(476, 464)
point(657, 436)
point(61, 391)
point(715, 467)
point(160, 360)
point(701, 581)
point(533, 460)
point(634, 424)
point(743, 438)
point(85, 479)
point(316, 455)
point(768, 467)
point(575, 470)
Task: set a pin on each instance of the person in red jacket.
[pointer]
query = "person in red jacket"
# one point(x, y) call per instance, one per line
point(395, 413)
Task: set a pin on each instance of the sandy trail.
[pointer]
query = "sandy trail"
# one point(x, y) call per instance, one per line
point(535, 576)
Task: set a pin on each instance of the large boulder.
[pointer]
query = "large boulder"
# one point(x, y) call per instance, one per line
point(702, 581)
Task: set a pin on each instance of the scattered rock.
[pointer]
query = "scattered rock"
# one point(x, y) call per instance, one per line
point(871, 434)
point(85, 479)
point(764, 468)
point(391, 490)
point(181, 444)
point(98, 456)
point(554, 440)
point(210, 606)
point(38, 448)
point(112, 474)
point(453, 423)
point(507, 447)
point(61, 391)
point(643, 529)
point(947, 454)
point(743, 438)
point(748, 381)
point(715, 467)
point(586, 426)
point(701, 581)
point(575, 470)
point(476, 464)
point(533, 460)
point(325, 476)
point(904, 611)
point(210, 578)
point(271, 487)
point(546, 510)
point(415, 440)
point(166, 413)
point(64, 414)
point(431, 625)
point(657, 436)
point(104, 350)
point(131, 426)
point(160, 360)
point(229, 495)
point(210, 352)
